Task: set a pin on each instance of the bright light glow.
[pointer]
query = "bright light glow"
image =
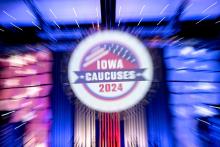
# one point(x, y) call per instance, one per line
point(33, 91)
point(29, 116)
point(187, 50)
point(30, 58)
point(41, 145)
point(206, 86)
point(201, 86)
point(204, 111)
point(11, 82)
point(29, 92)
point(16, 61)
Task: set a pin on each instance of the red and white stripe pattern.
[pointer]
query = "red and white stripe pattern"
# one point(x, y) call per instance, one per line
point(109, 126)
point(96, 55)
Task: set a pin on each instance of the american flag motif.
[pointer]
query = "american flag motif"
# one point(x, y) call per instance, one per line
point(104, 49)
point(119, 50)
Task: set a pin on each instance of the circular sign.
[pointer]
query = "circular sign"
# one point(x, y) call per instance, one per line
point(110, 71)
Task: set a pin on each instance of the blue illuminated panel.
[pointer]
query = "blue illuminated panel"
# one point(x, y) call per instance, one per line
point(16, 12)
point(149, 10)
point(132, 11)
point(194, 84)
point(198, 9)
point(62, 12)
point(70, 11)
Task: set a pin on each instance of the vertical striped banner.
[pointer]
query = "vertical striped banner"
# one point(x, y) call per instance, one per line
point(109, 130)
point(135, 132)
point(84, 123)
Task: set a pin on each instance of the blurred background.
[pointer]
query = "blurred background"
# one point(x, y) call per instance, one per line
point(37, 36)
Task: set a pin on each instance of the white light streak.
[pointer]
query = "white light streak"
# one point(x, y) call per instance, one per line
point(215, 107)
point(20, 125)
point(9, 15)
point(187, 8)
point(217, 22)
point(29, 116)
point(31, 14)
point(97, 15)
point(164, 9)
point(199, 52)
point(76, 17)
point(140, 21)
point(142, 9)
point(209, 7)
point(97, 12)
point(56, 24)
point(16, 26)
point(93, 26)
point(75, 12)
point(119, 22)
point(7, 113)
point(202, 19)
point(203, 121)
point(203, 111)
point(53, 14)
point(178, 40)
point(77, 23)
point(36, 25)
point(119, 11)
point(160, 21)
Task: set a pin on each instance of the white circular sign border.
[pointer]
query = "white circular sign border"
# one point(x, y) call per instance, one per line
point(142, 87)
